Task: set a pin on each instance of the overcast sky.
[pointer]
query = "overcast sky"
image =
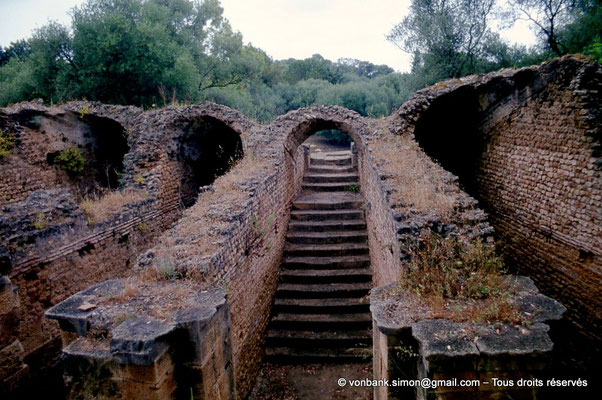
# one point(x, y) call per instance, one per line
point(283, 28)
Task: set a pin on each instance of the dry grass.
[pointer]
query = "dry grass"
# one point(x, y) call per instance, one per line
point(103, 208)
point(160, 299)
point(129, 290)
point(414, 179)
point(198, 231)
point(459, 281)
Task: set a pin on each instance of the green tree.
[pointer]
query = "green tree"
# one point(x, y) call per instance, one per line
point(20, 48)
point(446, 37)
point(583, 33)
point(40, 68)
point(547, 16)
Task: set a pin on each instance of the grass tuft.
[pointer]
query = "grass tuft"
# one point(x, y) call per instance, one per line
point(99, 209)
point(414, 179)
point(7, 141)
point(445, 271)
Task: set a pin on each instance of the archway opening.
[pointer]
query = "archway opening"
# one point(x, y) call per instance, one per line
point(109, 146)
point(328, 140)
point(449, 133)
point(207, 149)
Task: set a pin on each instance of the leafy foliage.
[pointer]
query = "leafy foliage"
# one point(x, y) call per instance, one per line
point(335, 136)
point(7, 141)
point(446, 37)
point(546, 16)
point(448, 268)
point(160, 52)
point(71, 160)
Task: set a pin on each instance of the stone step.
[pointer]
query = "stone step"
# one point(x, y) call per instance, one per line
point(331, 169)
point(333, 178)
point(326, 275)
point(327, 237)
point(325, 250)
point(323, 339)
point(361, 261)
point(326, 215)
point(328, 187)
point(343, 201)
point(322, 322)
point(321, 306)
point(289, 355)
point(322, 290)
point(327, 226)
point(343, 160)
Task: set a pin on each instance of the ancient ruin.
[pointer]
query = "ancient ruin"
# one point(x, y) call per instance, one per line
point(165, 253)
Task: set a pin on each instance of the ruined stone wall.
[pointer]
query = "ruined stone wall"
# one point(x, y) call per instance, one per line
point(410, 346)
point(382, 227)
point(46, 281)
point(233, 237)
point(247, 269)
point(48, 249)
point(526, 144)
point(40, 133)
point(539, 175)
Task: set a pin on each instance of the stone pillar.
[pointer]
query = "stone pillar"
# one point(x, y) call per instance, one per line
point(186, 356)
point(205, 369)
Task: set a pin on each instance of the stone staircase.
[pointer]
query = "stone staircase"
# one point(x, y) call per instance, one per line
point(321, 307)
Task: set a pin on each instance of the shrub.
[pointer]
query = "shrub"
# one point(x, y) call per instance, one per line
point(71, 160)
point(447, 268)
point(445, 271)
point(335, 136)
point(6, 142)
point(166, 269)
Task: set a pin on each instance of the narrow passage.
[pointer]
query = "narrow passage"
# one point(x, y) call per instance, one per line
point(320, 329)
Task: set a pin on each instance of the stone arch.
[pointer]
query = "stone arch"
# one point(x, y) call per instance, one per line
point(101, 141)
point(202, 143)
point(298, 125)
point(293, 128)
point(526, 145)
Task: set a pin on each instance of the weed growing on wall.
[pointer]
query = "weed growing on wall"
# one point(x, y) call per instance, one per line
point(84, 110)
point(7, 141)
point(40, 222)
point(442, 271)
point(353, 188)
point(261, 232)
point(72, 161)
point(139, 179)
point(166, 269)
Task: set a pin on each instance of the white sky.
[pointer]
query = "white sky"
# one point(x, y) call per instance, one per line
point(282, 28)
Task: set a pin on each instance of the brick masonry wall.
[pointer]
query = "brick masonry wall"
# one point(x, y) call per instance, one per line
point(109, 254)
point(250, 263)
point(526, 144)
point(382, 227)
point(51, 271)
point(540, 179)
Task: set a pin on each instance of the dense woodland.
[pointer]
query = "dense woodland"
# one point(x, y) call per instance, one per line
point(154, 53)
